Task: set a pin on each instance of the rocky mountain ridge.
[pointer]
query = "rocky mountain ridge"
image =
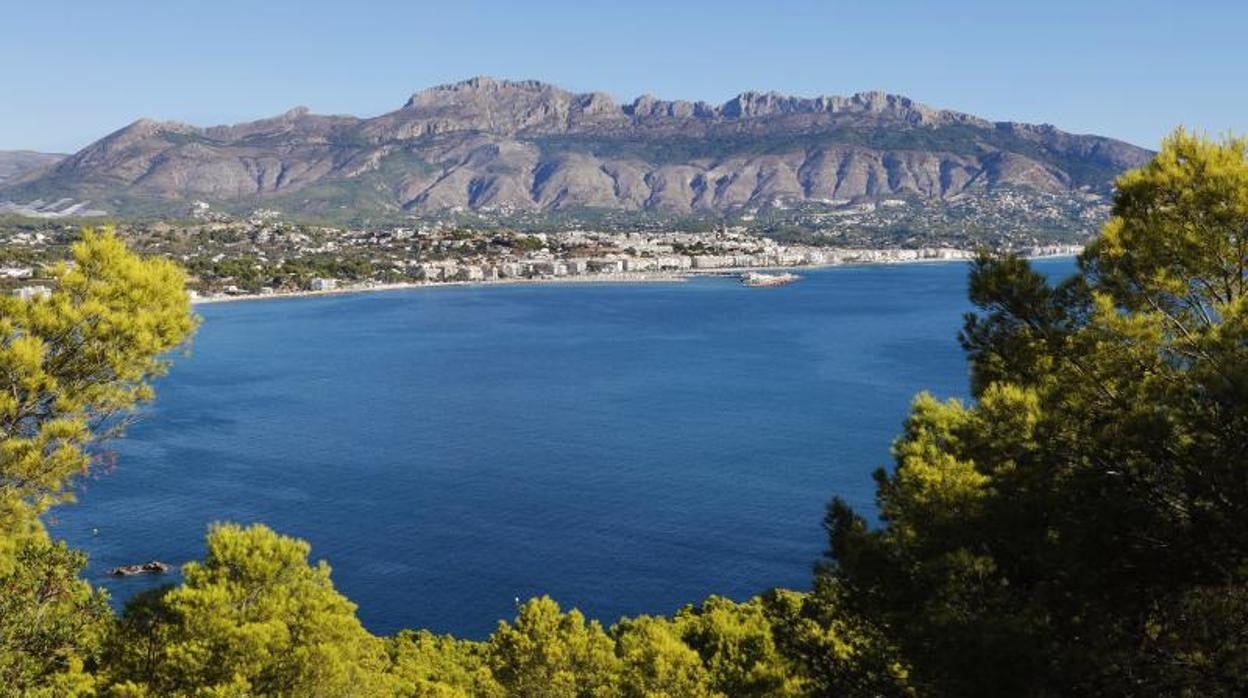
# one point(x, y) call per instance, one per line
point(506, 147)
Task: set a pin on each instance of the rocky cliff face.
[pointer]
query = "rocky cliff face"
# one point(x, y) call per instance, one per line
point(494, 145)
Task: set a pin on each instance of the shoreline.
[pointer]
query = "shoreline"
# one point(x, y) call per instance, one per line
point(620, 277)
point(624, 277)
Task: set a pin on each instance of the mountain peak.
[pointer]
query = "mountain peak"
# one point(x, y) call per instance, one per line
point(145, 126)
point(480, 85)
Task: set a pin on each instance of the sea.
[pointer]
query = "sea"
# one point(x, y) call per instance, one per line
point(624, 448)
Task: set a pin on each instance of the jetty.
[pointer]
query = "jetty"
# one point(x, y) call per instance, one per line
point(756, 279)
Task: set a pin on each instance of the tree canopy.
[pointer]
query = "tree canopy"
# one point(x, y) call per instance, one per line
point(1082, 525)
point(73, 366)
point(254, 618)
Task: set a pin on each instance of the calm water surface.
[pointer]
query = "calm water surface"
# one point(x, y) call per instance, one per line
point(625, 448)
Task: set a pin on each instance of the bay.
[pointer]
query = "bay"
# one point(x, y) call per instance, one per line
point(625, 448)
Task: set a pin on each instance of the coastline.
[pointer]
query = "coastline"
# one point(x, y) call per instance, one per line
point(620, 277)
point(623, 277)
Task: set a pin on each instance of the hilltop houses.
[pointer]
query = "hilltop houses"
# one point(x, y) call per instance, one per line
point(16, 272)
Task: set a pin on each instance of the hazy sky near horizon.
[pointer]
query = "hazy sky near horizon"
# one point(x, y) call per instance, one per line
point(74, 71)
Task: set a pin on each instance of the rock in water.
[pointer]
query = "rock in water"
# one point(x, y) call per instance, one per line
point(150, 567)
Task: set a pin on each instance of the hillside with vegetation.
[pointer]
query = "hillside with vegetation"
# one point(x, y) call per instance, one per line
point(1078, 527)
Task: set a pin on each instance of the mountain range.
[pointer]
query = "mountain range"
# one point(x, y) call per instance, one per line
point(525, 147)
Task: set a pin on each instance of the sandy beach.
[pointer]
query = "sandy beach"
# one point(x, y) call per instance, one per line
point(624, 277)
point(615, 278)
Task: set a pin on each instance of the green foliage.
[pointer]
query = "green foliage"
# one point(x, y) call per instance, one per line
point(735, 643)
point(720, 648)
point(657, 662)
point(51, 622)
point(245, 272)
point(1082, 526)
point(1176, 244)
point(254, 617)
point(549, 654)
point(440, 666)
point(250, 274)
point(528, 243)
point(836, 650)
point(72, 365)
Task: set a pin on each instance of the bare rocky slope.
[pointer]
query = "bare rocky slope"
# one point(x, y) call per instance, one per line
point(524, 146)
point(19, 163)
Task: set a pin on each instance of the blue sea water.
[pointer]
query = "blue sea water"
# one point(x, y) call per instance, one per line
point(625, 448)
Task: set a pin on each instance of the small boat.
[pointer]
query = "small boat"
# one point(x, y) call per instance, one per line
point(153, 567)
point(756, 279)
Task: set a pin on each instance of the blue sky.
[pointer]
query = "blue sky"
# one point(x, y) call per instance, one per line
point(74, 71)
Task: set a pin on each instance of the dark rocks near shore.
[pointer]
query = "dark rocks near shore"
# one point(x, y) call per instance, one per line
point(151, 567)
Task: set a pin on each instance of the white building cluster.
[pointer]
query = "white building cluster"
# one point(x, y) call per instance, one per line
point(580, 253)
